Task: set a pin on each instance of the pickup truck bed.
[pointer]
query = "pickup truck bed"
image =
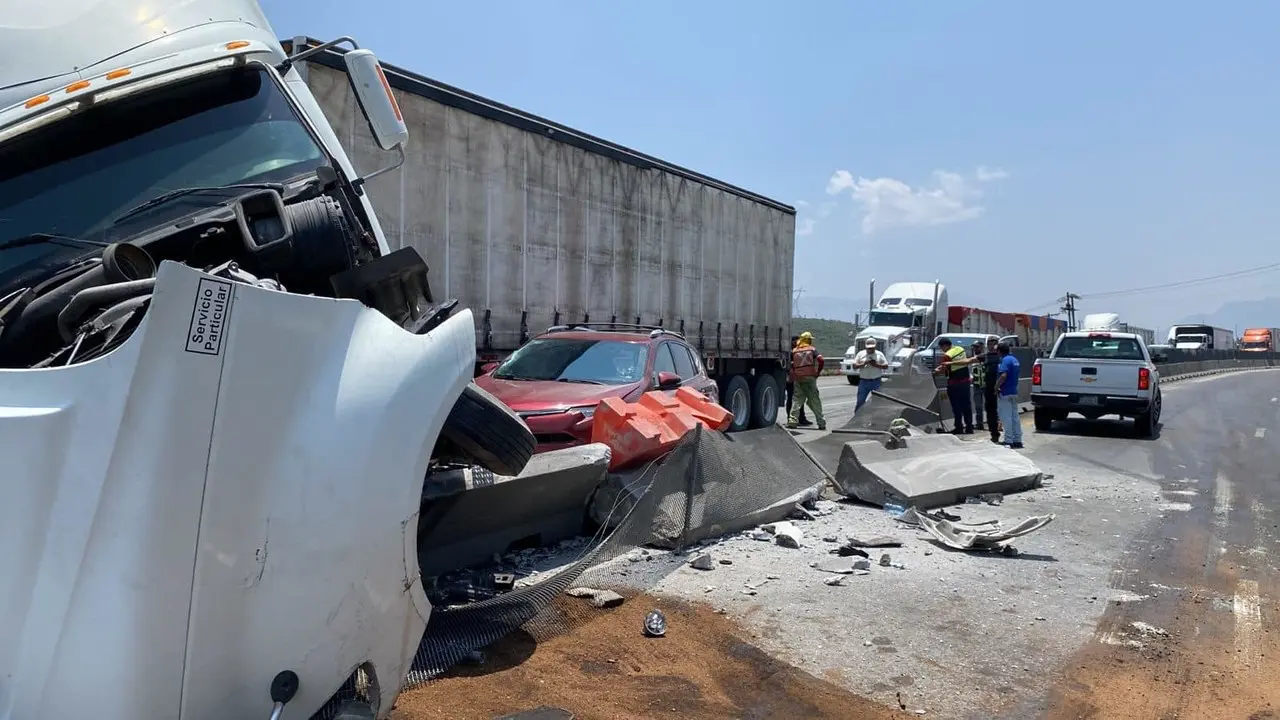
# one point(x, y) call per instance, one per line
point(1096, 374)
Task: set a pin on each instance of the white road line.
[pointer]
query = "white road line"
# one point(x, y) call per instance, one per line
point(1247, 609)
point(1259, 432)
point(1221, 500)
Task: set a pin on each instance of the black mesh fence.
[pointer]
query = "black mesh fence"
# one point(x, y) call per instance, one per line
point(708, 485)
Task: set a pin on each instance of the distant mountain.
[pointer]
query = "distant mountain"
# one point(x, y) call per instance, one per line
point(1240, 314)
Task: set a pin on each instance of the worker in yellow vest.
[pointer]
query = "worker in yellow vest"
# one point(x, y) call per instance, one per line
point(806, 366)
point(955, 365)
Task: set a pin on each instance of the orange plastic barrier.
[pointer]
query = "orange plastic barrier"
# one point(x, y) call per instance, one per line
point(641, 431)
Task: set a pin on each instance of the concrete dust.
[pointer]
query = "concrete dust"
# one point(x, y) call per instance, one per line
point(607, 669)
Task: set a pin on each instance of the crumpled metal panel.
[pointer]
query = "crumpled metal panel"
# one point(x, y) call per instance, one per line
point(231, 493)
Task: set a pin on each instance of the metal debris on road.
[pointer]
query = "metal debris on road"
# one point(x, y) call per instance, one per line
point(655, 624)
point(976, 536)
point(874, 541)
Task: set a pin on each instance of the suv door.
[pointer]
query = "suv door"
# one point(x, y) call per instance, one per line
point(690, 369)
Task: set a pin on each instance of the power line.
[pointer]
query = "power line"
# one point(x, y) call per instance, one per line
point(1185, 283)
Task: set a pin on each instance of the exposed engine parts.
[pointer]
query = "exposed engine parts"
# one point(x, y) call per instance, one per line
point(81, 311)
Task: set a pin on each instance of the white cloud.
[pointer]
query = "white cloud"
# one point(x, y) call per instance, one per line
point(804, 226)
point(840, 181)
point(802, 203)
point(888, 202)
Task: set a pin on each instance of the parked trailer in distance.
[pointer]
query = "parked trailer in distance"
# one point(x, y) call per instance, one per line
point(1111, 322)
point(1259, 339)
point(532, 224)
point(1201, 337)
point(1034, 331)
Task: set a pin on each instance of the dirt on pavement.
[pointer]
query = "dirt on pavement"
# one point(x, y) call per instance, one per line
point(606, 669)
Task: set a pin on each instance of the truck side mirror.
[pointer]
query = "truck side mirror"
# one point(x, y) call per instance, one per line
point(668, 381)
point(379, 106)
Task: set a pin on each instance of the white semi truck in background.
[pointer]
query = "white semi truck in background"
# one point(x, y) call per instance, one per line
point(906, 317)
point(1201, 337)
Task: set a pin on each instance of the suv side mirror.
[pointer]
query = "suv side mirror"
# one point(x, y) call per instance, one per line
point(488, 367)
point(668, 381)
point(379, 106)
point(1159, 357)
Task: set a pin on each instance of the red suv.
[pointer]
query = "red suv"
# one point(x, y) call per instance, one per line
point(556, 380)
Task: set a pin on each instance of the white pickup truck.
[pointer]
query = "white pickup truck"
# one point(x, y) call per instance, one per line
point(1096, 374)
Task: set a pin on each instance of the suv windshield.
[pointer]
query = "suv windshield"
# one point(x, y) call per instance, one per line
point(1092, 348)
point(73, 177)
point(607, 362)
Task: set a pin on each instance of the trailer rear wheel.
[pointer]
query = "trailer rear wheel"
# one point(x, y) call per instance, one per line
point(764, 402)
point(489, 432)
point(736, 398)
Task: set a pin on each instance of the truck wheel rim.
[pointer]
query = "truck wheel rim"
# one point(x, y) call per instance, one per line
point(768, 404)
point(741, 403)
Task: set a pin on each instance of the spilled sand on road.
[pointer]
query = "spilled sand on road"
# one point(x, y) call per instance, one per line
point(606, 668)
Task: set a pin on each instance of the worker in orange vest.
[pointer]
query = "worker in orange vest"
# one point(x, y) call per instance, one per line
point(806, 366)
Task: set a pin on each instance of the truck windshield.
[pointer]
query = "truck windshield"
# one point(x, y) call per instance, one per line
point(884, 318)
point(1094, 348)
point(606, 362)
point(74, 176)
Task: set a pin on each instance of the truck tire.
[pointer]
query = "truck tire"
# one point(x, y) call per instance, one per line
point(736, 398)
point(1044, 420)
point(489, 432)
point(853, 379)
point(764, 401)
point(1146, 424)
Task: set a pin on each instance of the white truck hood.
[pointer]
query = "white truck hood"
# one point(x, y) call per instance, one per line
point(231, 493)
point(881, 332)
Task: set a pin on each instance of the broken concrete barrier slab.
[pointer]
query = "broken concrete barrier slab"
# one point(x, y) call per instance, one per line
point(544, 504)
point(929, 471)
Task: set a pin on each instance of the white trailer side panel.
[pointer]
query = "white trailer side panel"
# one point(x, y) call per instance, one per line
point(523, 226)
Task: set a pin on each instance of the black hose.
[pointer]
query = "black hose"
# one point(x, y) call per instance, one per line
point(70, 316)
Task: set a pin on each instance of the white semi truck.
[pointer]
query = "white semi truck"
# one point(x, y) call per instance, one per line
point(1201, 337)
point(219, 391)
point(906, 317)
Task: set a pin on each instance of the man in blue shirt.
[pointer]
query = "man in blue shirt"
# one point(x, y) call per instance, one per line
point(1007, 400)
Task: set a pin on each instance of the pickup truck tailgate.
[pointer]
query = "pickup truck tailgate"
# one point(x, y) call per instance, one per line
point(1100, 377)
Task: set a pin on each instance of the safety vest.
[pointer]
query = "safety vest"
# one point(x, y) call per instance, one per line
point(804, 362)
point(959, 374)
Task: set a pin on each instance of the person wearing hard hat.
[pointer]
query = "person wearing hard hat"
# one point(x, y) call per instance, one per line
point(871, 364)
point(806, 366)
point(791, 390)
point(955, 365)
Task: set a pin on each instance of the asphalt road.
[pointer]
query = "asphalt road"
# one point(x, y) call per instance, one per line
point(1174, 534)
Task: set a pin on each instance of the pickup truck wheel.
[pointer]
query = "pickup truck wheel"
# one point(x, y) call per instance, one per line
point(1147, 423)
point(1044, 421)
point(853, 379)
point(736, 398)
point(764, 402)
point(489, 432)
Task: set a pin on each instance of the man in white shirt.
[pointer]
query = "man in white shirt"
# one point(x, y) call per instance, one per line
point(871, 364)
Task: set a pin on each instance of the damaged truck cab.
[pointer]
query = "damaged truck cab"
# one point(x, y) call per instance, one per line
point(219, 390)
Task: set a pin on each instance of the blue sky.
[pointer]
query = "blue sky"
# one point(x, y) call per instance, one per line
point(1015, 150)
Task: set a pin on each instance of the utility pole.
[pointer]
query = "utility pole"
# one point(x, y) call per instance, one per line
point(795, 301)
point(1069, 307)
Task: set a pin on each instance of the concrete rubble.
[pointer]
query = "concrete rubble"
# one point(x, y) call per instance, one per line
point(929, 471)
point(469, 514)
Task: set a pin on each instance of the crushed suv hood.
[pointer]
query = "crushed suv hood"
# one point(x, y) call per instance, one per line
point(230, 493)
